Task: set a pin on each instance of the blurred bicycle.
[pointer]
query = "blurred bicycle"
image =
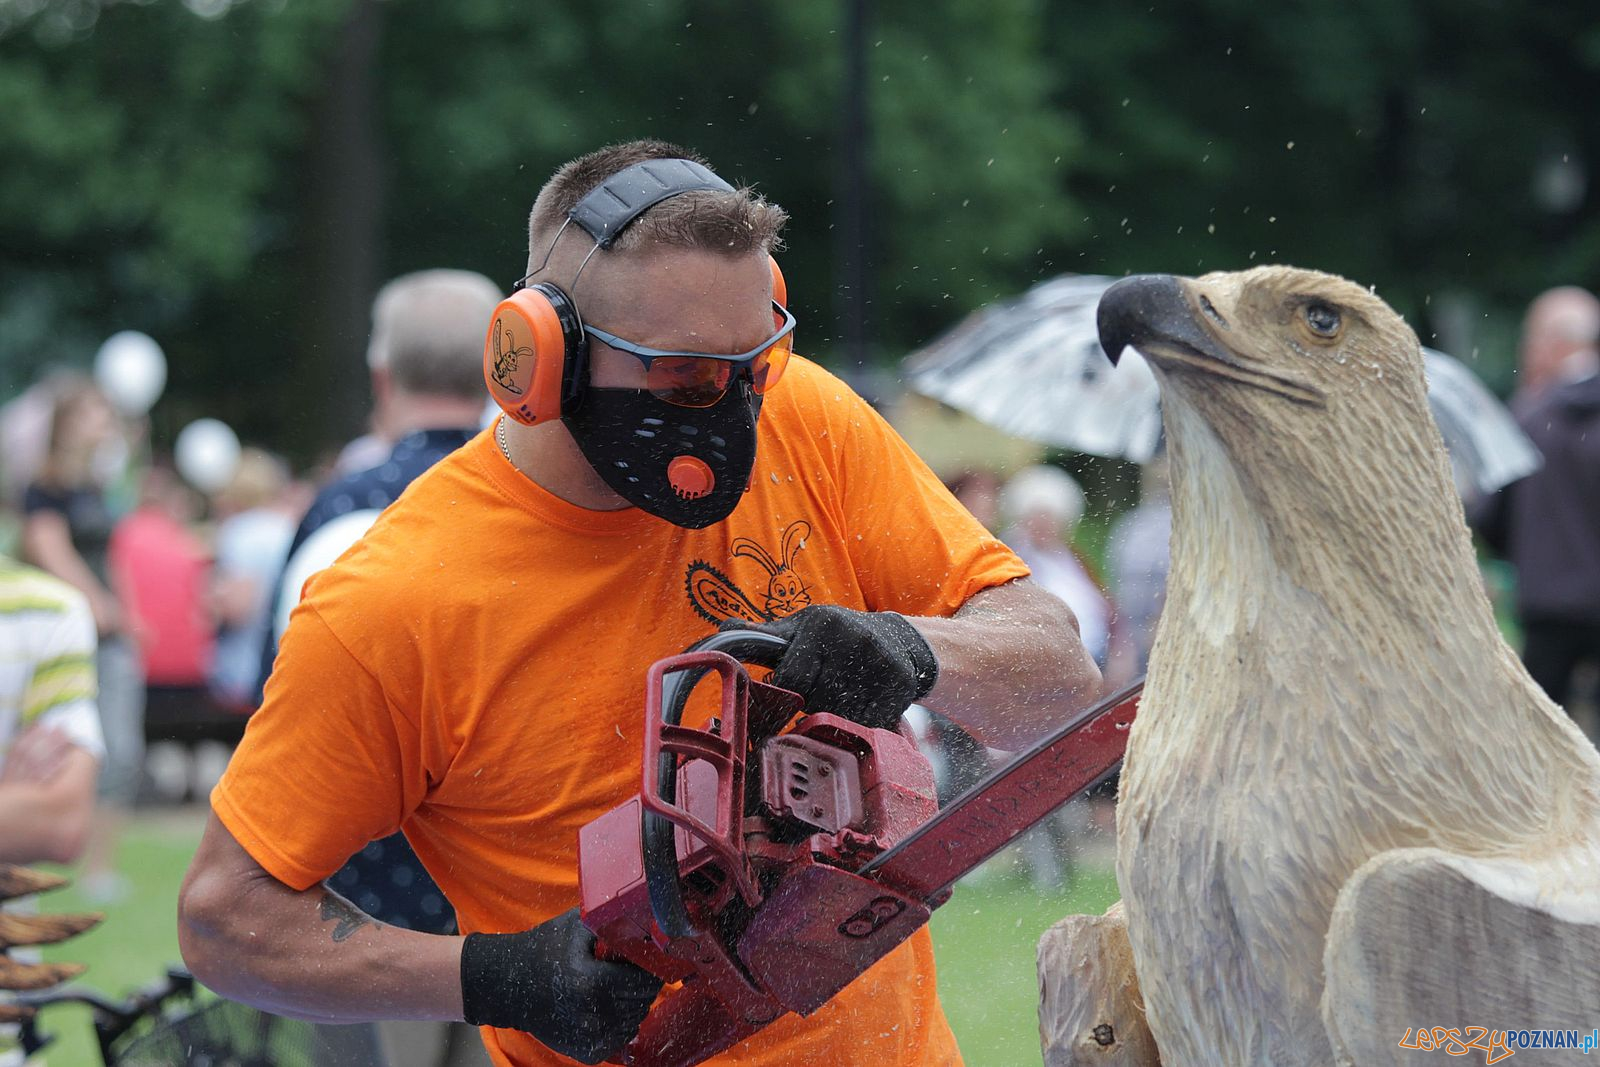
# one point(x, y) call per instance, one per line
point(176, 1023)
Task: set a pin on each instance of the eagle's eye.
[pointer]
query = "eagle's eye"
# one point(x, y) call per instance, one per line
point(1323, 320)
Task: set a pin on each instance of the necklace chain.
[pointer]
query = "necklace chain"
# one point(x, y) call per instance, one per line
point(500, 436)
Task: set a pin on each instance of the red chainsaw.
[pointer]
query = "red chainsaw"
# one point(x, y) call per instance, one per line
point(769, 859)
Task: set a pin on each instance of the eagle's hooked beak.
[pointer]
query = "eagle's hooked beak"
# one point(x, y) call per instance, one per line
point(1154, 313)
point(1148, 307)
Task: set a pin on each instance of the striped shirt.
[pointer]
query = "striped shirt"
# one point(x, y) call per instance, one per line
point(47, 644)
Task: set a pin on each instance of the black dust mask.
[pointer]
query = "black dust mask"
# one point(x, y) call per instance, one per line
point(688, 466)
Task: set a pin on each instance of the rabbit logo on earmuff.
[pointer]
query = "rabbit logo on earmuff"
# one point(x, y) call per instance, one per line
point(507, 359)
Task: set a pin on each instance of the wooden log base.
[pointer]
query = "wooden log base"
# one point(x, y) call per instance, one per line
point(1090, 1011)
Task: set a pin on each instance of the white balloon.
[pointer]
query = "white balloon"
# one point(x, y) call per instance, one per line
point(207, 454)
point(132, 370)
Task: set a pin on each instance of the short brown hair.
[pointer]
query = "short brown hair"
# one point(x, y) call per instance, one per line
point(733, 222)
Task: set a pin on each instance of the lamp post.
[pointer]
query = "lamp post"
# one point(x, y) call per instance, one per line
point(853, 200)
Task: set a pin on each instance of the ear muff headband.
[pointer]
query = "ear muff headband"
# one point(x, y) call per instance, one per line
point(608, 208)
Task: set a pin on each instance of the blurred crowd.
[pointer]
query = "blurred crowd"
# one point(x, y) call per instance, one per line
point(1038, 511)
point(176, 581)
point(188, 575)
point(1547, 525)
point(188, 561)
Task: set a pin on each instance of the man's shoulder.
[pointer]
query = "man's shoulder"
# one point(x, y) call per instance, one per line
point(26, 590)
point(808, 383)
point(810, 396)
point(415, 545)
point(1578, 399)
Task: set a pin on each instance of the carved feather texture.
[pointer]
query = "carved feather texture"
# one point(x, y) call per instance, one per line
point(43, 929)
point(23, 881)
point(15, 975)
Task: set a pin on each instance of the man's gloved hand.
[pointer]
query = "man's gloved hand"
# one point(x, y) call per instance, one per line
point(547, 982)
point(864, 665)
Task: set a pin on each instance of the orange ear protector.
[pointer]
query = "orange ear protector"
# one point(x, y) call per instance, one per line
point(534, 334)
point(535, 356)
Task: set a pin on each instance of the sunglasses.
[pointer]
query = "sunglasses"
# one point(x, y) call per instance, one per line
point(700, 379)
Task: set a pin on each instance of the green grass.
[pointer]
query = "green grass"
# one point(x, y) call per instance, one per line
point(984, 939)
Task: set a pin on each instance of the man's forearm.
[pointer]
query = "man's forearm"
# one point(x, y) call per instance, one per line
point(49, 820)
point(1011, 664)
point(308, 954)
point(37, 825)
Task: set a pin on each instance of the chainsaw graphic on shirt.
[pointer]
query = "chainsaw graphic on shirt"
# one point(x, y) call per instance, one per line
point(716, 597)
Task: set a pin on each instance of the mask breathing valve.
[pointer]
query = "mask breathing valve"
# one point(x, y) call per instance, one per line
point(691, 478)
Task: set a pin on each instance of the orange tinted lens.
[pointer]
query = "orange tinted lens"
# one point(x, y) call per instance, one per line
point(767, 368)
point(687, 381)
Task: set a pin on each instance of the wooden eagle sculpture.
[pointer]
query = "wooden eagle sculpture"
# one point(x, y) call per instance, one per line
point(1347, 812)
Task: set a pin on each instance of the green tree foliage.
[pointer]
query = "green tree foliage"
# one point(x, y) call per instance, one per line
point(144, 144)
point(1427, 148)
point(963, 192)
point(236, 178)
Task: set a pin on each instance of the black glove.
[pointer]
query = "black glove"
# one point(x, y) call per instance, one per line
point(547, 982)
point(864, 665)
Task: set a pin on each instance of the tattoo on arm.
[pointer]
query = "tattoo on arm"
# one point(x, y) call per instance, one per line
point(350, 917)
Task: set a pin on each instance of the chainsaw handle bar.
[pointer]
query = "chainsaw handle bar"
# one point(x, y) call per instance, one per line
point(746, 646)
point(661, 813)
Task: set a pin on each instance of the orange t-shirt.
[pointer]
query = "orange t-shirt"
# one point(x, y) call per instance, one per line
point(472, 672)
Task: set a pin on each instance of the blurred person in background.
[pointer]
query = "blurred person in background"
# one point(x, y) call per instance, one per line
point(50, 740)
point(256, 515)
point(978, 490)
point(364, 452)
point(1558, 343)
point(49, 729)
point(1041, 505)
point(165, 570)
point(66, 531)
point(1547, 525)
point(425, 354)
point(1139, 554)
point(25, 432)
point(426, 358)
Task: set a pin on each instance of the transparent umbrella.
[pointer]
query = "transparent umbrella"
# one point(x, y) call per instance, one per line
point(1033, 367)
